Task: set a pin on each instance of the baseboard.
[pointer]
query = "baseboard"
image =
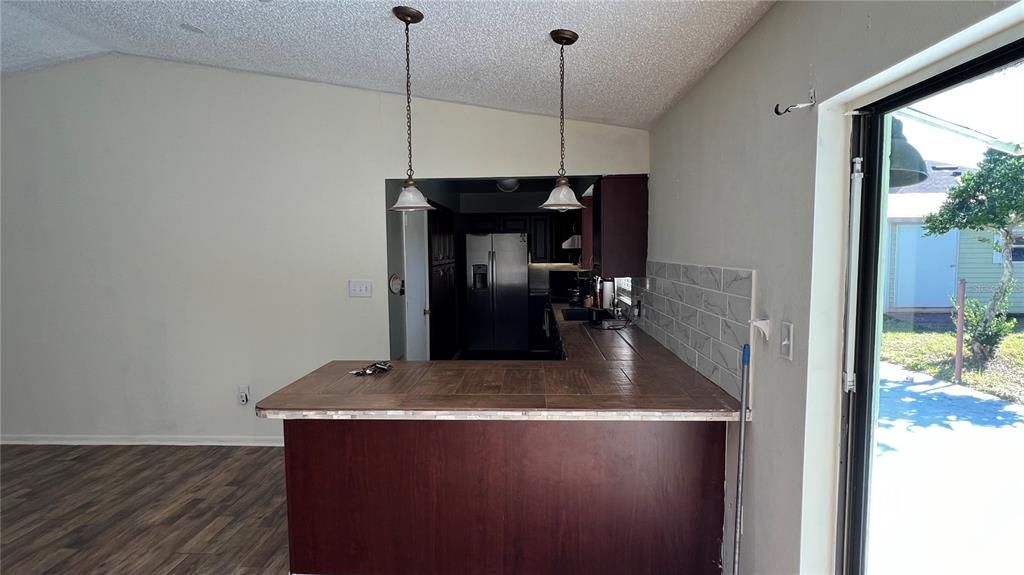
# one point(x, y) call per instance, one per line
point(239, 440)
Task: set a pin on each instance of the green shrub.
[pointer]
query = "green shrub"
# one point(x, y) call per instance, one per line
point(985, 330)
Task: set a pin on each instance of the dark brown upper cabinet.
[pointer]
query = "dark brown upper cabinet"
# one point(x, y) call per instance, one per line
point(540, 238)
point(515, 224)
point(617, 227)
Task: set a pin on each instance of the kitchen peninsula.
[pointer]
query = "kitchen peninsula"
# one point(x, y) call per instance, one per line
point(612, 461)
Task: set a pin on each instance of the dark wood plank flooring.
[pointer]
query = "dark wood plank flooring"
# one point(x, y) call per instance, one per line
point(142, 509)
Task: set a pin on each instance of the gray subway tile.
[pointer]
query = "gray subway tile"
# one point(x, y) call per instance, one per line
point(663, 321)
point(673, 271)
point(689, 315)
point(672, 307)
point(707, 368)
point(658, 302)
point(675, 290)
point(709, 324)
point(738, 282)
point(700, 342)
point(659, 270)
point(711, 277)
point(689, 356)
point(714, 302)
point(735, 334)
point(729, 382)
point(671, 343)
point(689, 274)
point(725, 356)
point(739, 309)
point(682, 332)
point(693, 296)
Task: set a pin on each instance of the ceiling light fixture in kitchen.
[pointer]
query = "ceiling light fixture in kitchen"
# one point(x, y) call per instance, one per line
point(411, 199)
point(562, 198)
point(508, 185)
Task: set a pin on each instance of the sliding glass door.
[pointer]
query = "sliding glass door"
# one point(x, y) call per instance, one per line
point(935, 414)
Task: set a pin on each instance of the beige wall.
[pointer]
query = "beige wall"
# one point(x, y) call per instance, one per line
point(734, 185)
point(173, 231)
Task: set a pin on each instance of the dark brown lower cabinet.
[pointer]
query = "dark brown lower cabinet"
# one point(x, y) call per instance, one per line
point(504, 497)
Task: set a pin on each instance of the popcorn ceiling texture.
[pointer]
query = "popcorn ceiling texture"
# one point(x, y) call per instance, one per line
point(701, 313)
point(633, 59)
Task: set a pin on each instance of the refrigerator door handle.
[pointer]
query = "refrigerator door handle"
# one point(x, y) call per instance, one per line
point(494, 276)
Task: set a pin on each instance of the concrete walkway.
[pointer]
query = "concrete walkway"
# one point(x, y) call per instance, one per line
point(948, 480)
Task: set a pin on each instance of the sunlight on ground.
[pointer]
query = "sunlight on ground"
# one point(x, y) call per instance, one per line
point(947, 479)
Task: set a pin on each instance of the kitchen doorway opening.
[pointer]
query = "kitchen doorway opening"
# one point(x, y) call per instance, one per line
point(475, 277)
point(936, 409)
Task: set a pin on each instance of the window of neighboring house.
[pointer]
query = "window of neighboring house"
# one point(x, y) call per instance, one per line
point(1018, 248)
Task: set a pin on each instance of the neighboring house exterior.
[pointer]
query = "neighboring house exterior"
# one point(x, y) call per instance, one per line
point(923, 271)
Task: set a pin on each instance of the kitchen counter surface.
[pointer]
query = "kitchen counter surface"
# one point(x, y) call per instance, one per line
point(609, 376)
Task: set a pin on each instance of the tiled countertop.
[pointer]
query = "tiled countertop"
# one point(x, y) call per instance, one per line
point(610, 375)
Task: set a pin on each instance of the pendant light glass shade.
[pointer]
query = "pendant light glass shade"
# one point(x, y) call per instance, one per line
point(562, 198)
point(906, 166)
point(411, 199)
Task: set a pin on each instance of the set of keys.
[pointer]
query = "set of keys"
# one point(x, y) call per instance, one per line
point(373, 368)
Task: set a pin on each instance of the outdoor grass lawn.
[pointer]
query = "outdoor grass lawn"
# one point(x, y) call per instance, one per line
point(932, 352)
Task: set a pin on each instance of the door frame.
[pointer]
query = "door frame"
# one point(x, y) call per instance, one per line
point(859, 402)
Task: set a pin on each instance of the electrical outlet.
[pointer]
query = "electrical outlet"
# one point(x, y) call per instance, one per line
point(360, 288)
point(243, 395)
point(786, 346)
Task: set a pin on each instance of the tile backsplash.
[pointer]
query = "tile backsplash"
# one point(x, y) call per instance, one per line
point(701, 313)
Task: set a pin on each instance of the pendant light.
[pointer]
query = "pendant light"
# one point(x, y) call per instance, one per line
point(906, 166)
point(411, 199)
point(562, 198)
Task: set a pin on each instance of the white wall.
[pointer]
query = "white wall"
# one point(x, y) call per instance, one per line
point(171, 231)
point(732, 184)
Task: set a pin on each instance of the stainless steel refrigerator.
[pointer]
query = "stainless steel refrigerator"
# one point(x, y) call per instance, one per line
point(497, 292)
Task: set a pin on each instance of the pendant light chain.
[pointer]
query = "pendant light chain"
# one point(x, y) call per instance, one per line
point(561, 106)
point(408, 101)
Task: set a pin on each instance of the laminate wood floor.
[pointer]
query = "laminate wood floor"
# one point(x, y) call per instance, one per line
point(142, 509)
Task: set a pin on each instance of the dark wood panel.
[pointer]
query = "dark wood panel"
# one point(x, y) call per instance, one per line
point(540, 238)
point(443, 289)
point(467, 497)
point(514, 223)
point(623, 225)
point(143, 509)
point(587, 233)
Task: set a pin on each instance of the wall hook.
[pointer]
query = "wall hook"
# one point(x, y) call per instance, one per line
point(763, 326)
point(788, 109)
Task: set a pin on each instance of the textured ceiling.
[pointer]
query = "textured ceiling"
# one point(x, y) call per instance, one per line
point(632, 61)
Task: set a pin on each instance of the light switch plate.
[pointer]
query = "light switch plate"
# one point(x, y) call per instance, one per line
point(360, 288)
point(786, 346)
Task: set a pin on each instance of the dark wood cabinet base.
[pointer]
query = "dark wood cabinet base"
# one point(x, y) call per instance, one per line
point(504, 497)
